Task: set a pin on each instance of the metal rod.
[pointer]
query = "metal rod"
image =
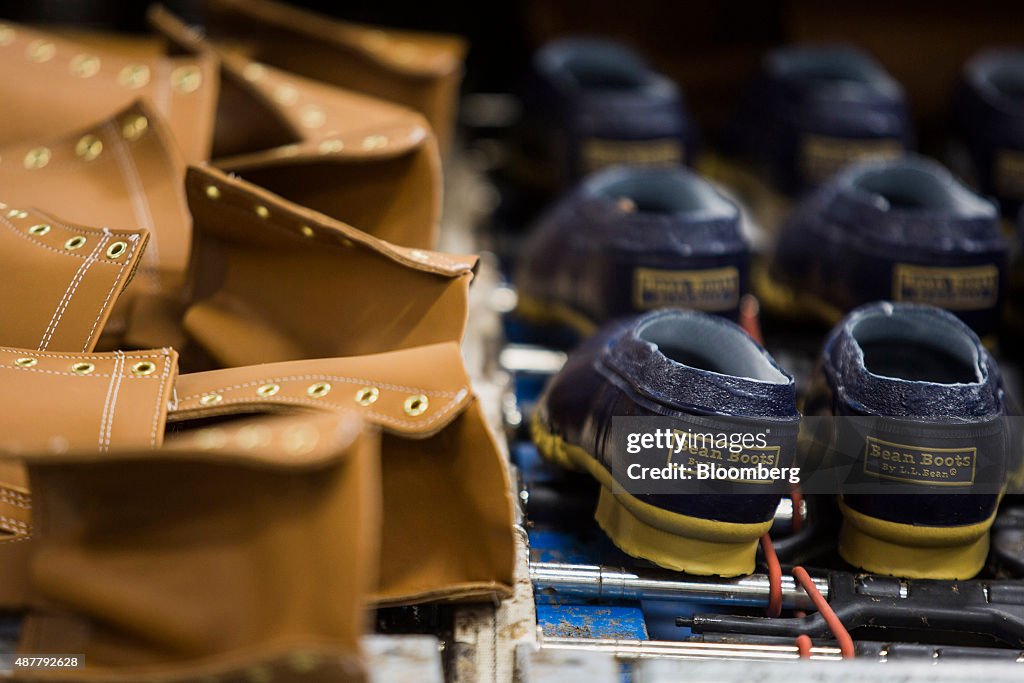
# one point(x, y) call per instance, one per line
point(596, 582)
point(646, 649)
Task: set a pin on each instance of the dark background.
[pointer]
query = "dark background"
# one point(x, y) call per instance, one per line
point(710, 47)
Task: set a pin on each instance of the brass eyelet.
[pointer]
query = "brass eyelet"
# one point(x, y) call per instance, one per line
point(319, 390)
point(89, 147)
point(37, 158)
point(40, 51)
point(416, 405)
point(116, 249)
point(268, 390)
point(210, 399)
point(134, 127)
point(85, 66)
point(186, 79)
point(17, 213)
point(306, 231)
point(312, 116)
point(76, 242)
point(329, 146)
point(210, 439)
point(299, 440)
point(262, 211)
point(83, 368)
point(254, 71)
point(25, 362)
point(213, 192)
point(286, 95)
point(39, 229)
point(134, 76)
point(375, 141)
point(367, 395)
point(143, 368)
point(254, 436)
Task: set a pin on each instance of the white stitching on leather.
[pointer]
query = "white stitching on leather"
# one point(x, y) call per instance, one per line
point(77, 356)
point(325, 378)
point(162, 97)
point(68, 374)
point(13, 525)
point(140, 204)
point(39, 243)
point(384, 249)
point(14, 502)
point(159, 393)
point(69, 293)
point(166, 143)
point(16, 537)
point(14, 493)
point(380, 417)
point(110, 293)
point(110, 406)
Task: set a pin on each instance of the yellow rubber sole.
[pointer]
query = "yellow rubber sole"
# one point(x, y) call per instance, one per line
point(768, 206)
point(913, 552)
point(679, 542)
point(541, 313)
point(783, 301)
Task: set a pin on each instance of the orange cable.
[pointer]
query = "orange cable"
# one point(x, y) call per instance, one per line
point(803, 646)
point(750, 318)
point(798, 516)
point(834, 624)
point(774, 576)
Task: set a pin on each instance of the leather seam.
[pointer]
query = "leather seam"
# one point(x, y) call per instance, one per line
point(165, 145)
point(110, 293)
point(332, 378)
point(58, 354)
point(6, 490)
point(159, 394)
point(46, 246)
point(387, 419)
point(390, 252)
point(68, 374)
point(14, 525)
point(69, 293)
point(14, 502)
point(140, 202)
point(16, 538)
point(110, 405)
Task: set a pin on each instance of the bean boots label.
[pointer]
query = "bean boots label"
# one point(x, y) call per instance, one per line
point(1009, 173)
point(598, 153)
point(701, 452)
point(920, 464)
point(822, 156)
point(958, 289)
point(715, 289)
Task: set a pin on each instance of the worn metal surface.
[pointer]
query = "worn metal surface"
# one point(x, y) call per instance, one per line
point(535, 665)
point(646, 649)
point(403, 659)
point(596, 582)
point(486, 636)
point(664, 671)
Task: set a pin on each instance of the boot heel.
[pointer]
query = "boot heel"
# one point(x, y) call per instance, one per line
point(721, 549)
point(914, 552)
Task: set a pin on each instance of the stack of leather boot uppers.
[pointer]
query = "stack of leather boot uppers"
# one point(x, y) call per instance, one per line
point(234, 414)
